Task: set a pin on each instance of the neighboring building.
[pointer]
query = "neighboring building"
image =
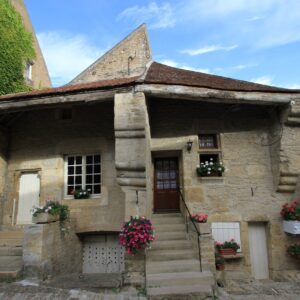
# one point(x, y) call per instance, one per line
point(122, 129)
point(36, 73)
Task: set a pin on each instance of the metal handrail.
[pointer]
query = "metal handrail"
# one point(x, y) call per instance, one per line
point(198, 233)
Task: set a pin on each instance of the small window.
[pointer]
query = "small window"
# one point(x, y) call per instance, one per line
point(225, 231)
point(28, 70)
point(83, 172)
point(208, 141)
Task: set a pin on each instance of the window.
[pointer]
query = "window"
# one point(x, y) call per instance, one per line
point(83, 172)
point(210, 151)
point(28, 70)
point(225, 231)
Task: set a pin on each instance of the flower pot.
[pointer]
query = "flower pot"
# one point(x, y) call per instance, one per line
point(44, 218)
point(227, 251)
point(203, 228)
point(292, 227)
point(220, 267)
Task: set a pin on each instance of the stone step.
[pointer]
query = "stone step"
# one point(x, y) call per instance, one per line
point(11, 242)
point(9, 274)
point(168, 220)
point(183, 278)
point(11, 251)
point(172, 244)
point(191, 265)
point(165, 255)
point(286, 188)
point(11, 262)
point(187, 292)
point(167, 236)
point(170, 228)
point(167, 215)
point(11, 234)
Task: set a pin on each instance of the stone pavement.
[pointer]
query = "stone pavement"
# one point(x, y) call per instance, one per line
point(259, 290)
point(30, 290)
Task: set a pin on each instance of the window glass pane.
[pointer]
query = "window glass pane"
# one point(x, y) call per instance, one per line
point(96, 178)
point(70, 179)
point(89, 159)
point(89, 169)
point(71, 160)
point(70, 170)
point(78, 169)
point(70, 190)
point(97, 189)
point(78, 187)
point(89, 179)
point(96, 159)
point(97, 169)
point(78, 179)
point(78, 160)
point(208, 141)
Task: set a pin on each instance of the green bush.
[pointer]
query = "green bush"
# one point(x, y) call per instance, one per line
point(16, 49)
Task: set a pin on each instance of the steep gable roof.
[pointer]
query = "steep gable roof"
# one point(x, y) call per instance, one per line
point(128, 58)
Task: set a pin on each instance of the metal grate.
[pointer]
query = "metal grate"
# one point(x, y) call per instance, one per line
point(102, 254)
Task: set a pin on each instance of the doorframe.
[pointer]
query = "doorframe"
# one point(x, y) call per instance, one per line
point(16, 194)
point(166, 154)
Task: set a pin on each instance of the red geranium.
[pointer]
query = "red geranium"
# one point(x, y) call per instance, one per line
point(290, 212)
point(136, 234)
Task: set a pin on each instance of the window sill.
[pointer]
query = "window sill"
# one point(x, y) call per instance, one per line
point(82, 202)
point(211, 179)
point(236, 256)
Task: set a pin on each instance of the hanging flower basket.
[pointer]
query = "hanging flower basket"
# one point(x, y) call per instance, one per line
point(227, 251)
point(228, 247)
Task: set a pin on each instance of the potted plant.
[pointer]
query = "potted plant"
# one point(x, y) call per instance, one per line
point(228, 247)
point(294, 250)
point(291, 217)
point(81, 194)
point(210, 168)
point(136, 234)
point(220, 262)
point(52, 211)
point(200, 221)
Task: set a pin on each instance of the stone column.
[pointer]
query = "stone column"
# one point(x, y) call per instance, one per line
point(132, 151)
point(3, 169)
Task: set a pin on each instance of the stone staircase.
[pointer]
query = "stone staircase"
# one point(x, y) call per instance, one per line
point(11, 261)
point(172, 265)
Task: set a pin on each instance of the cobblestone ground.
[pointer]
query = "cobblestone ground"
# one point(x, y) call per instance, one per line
point(259, 290)
point(28, 290)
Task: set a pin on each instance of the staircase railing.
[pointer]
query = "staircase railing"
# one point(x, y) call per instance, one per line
point(187, 218)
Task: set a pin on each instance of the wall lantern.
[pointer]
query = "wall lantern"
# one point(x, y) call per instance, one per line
point(189, 145)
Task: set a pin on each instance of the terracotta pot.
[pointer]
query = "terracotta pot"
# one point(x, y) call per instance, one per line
point(220, 267)
point(227, 251)
point(44, 218)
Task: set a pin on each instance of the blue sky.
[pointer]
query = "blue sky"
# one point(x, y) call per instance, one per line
point(253, 40)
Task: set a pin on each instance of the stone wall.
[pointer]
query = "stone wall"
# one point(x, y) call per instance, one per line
point(246, 193)
point(51, 249)
point(40, 140)
point(3, 169)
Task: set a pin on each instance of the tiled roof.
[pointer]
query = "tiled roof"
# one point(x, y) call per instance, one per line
point(73, 88)
point(162, 74)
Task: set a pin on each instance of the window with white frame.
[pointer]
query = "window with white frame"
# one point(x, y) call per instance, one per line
point(83, 172)
point(225, 231)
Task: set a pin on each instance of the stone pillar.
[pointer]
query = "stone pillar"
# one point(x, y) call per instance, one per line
point(3, 170)
point(132, 151)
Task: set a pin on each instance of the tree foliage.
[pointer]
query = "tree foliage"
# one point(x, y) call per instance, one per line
point(16, 48)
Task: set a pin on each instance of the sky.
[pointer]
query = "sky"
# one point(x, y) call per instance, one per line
point(253, 40)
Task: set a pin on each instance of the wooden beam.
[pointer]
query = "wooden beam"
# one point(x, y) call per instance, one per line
point(217, 96)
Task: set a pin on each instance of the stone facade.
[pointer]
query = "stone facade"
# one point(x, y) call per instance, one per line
point(40, 76)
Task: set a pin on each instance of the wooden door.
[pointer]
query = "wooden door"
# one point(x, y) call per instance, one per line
point(166, 196)
point(29, 196)
point(258, 250)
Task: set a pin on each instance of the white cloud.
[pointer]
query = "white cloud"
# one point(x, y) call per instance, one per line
point(243, 66)
point(175, 64)
point(254, 18)
point(267, 80)
point(66, 55)
point(295, 86)
point(156, 16)
point(207, 49)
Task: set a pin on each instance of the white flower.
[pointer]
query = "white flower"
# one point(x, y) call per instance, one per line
point(221, 163)
point(209, 169)
point(211, 159)
point(220, 169)
point(206, 162)
point(211, 163)
point(208, 173)
point(80, 193)
point(198, 166)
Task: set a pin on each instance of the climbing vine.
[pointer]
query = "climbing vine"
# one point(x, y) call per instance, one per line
point(16, 48)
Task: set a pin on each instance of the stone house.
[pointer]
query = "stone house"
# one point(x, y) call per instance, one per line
point(134, 131)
